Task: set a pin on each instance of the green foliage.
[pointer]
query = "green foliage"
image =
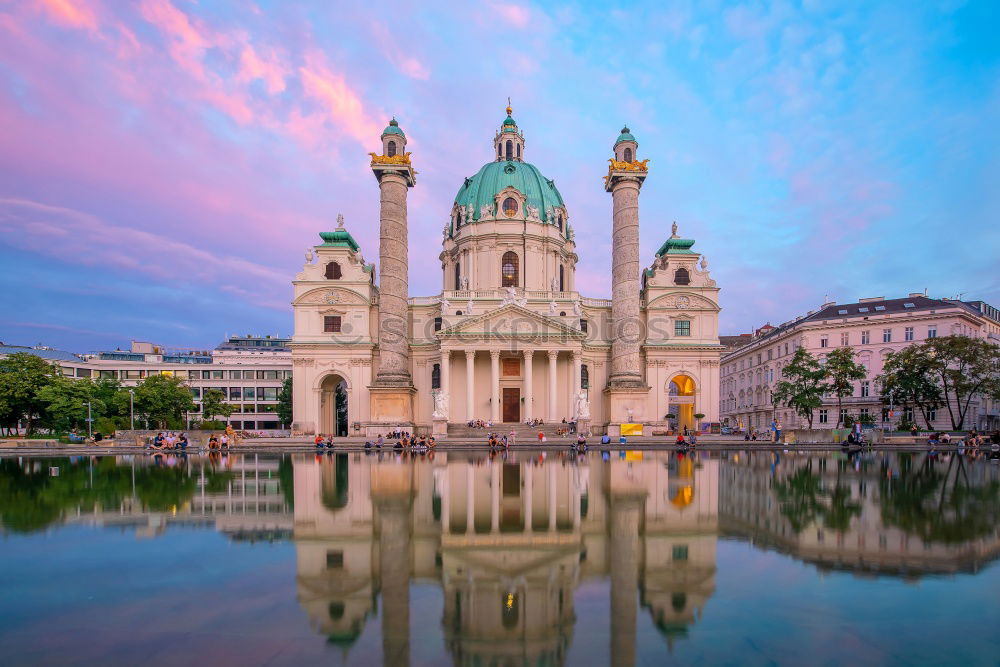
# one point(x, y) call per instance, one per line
point(209, 425)
point(840, 373)
point(907, 380)
point(802, 389)
point(803, 499)
point(213, 404)
point(964, 367)
point(22, 375)
point(65, 401)
point(285, 402)
point(163, 399)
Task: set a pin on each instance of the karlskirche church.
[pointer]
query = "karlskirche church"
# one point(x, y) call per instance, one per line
point(508, 339)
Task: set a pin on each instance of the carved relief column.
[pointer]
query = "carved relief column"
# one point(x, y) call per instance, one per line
point(470, 379)
point(495, 385)
point(392, 389)
point(627, 389)
point(529, 395)
point(553, 393)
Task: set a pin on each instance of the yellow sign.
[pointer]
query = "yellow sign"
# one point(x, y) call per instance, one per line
point(631, 429)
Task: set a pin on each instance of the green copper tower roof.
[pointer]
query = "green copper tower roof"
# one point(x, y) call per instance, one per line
point(339, 238)
point(676, 246)
point(393, 128)
point(481, 190)
point(626, 135)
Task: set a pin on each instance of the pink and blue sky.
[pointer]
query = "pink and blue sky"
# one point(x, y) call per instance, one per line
point(164, 163)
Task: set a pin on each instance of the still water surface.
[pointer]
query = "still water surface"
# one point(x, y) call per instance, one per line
point(627, 558)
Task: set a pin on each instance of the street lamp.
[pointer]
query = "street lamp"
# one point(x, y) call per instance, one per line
point(131, 408)
point(90, 422)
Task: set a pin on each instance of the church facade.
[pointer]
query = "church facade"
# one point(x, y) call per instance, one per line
point(508, 339)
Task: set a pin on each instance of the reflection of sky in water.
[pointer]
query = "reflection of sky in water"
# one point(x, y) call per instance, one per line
point(105, 595)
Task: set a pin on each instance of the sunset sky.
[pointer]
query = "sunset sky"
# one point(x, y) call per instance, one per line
point(165, 163)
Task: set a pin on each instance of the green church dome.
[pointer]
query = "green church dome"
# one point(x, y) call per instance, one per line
point(481, 190)
point(393, 128)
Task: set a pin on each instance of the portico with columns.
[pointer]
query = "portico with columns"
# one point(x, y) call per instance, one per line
point(508, 339)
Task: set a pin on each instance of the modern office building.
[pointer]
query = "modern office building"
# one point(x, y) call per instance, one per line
point(250, 370)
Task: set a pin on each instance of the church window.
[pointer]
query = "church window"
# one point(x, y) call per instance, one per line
point(333, 271)
point(628, 154)
point(331, 324)
point(583, 326)
point(458, 275)
point(584, 377)
point(508, 269)
point(436, 376)
point(682, 327)
point(499, 151)
point(562, 278)
point(437, 324)
point(510, 149)
point(392, 149)
point(682, 277)
point(519, 151)
point(510, 207)
point(559, 222)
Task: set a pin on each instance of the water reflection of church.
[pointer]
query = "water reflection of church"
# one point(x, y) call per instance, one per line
point(509, 543)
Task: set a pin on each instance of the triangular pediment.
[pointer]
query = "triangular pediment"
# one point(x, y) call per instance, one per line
point(512, 322)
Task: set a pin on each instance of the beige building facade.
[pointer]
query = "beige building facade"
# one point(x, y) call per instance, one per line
point(508, 339)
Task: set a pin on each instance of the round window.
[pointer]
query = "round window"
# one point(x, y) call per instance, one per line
point(510, 207)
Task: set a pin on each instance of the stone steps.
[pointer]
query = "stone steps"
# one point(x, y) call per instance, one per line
point(523, 432)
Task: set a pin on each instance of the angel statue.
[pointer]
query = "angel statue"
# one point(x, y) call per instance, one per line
point(673, 230)
point(465, 282)
point(309, 255)
point(577, 309)
point(552, 308)
point(704, 263)
point(445, 306)
point(440, 405)
point(468, 307)
point(582, 406)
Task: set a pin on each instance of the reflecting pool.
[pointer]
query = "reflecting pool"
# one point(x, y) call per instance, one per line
point(624, 558)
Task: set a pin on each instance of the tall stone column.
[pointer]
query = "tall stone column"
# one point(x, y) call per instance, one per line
point(553, 386)
point(495, 385)
point(626, 385)
point(446, 372)
point(470, 379)
point(394, 576)
point(624, 521)
point(392, 389)
point(529, 395)
point(574, 387)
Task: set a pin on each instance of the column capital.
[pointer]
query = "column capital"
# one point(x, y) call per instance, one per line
point(553, 354)
point(528, 353)
point(494, 354)
point(470, 354)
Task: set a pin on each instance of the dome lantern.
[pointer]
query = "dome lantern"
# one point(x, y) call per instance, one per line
point(509, 142)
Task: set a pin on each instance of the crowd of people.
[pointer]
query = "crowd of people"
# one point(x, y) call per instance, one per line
point(169, 440)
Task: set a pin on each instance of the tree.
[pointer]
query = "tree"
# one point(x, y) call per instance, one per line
point(162, 398)
point(213, 404)
point(840, 372)
point(964, 367)
point(22, 375)
point(64, 402)
point(907, 379)
point(802, 388)
point(285, 402)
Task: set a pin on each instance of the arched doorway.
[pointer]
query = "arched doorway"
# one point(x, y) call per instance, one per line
point(333, 406)
point(681, 391)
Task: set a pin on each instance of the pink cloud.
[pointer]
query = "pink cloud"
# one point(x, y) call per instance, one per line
point(342, 104)
point(517, 16)
point(187, 43)
point(407, 64)
point(70, 13)
point(75, 237)
point(252, 67)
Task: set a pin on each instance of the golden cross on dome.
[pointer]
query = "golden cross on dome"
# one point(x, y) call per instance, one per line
point(509, 110)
